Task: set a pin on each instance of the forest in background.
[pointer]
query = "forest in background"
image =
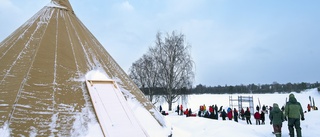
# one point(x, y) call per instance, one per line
point(244, 89)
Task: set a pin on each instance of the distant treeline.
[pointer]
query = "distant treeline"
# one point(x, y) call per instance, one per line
point(246, 89)
point(253, 88)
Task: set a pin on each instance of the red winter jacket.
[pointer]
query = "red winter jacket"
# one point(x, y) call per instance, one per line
point(257, 115)
point(309, 107)
point(229, 114)
point(186, 112)
point(210, 109)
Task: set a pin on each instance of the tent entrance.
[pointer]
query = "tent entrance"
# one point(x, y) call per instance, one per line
point(113, 112)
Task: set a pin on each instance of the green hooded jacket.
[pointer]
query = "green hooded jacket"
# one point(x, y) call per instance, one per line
point(293, 108)
point(276, 115)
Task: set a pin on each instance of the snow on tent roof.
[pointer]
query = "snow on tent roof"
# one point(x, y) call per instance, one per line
point(60, 4)
point(42, 72)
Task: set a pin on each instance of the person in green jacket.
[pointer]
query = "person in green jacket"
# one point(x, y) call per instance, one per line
point(293, 111)
point(276, 118)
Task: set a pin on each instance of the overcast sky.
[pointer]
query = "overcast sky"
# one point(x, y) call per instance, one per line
point(233, 41)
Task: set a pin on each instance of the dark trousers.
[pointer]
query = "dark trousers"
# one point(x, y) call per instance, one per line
point(236, 118)
point(248, 120)
point(257, 121)
point(277, 130)
point(294, 122)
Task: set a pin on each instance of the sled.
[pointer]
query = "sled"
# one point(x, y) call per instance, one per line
point(113, 112)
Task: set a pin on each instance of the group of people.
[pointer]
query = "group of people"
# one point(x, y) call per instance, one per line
point(231, 114)
point(291, 112)
point(187, 112)
point(309, 107)
point(260, 116)
point(210, 112)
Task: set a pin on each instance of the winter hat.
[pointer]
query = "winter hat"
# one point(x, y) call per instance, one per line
point(275, 105)
point(291, 95)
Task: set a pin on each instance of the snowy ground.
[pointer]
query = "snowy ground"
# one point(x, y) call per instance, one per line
point(202, 127)
point(198, 126)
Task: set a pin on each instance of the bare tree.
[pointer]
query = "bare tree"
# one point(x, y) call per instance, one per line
point(144, 74)
point(167, 65)
point(175, 65)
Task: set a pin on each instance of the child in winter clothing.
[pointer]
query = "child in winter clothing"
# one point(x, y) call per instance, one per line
point(309, 107)
point(257, 117)
point(276, 118)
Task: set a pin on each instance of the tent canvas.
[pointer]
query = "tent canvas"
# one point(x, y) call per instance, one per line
point(42, 75)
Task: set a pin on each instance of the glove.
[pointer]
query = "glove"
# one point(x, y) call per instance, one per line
point(270, 122)
point(302, 118)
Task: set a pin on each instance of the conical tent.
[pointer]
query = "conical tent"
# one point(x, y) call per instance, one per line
point(42, 66)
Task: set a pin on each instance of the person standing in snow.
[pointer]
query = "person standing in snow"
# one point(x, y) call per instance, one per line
point(264, 108)
point(309, 107)
point(181, 109)
point(242, 113)
point(235, 115)
point(223, 114)
point(229, 114)
point(262, 117)
point(215, 108)
point(247, 114)
point(178, 109)
point(160, 108)
point(293, 111)
point(257, 108)
point(211, 111)
point(276, 118)
point(216, 112)
point(228, 109)
point(190, 112)
point(257, 117)
point(200, 111)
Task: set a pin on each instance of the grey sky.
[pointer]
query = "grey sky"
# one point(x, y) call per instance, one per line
point(233, 42)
